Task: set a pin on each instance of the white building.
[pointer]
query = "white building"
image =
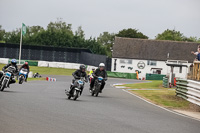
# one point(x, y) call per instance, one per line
point(151, 56)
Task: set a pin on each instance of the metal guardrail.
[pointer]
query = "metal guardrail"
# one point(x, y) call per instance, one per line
point(189, 90)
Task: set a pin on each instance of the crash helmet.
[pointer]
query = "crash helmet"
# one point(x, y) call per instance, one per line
point(82, 67)
point(101, 65)
point(13, 61)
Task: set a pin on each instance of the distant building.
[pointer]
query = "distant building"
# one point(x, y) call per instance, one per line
point(151, 56)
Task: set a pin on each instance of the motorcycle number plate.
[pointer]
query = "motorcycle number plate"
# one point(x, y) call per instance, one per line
point(100, 78)
point(80, 82)
point(8, 74)
point(24, 73)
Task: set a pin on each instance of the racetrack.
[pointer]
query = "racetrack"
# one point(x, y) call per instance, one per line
point(42, 107)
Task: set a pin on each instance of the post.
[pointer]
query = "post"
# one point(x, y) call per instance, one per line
point(20, 48)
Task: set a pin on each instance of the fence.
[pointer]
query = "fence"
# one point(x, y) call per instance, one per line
point(196, 70)
point(189, 90)
point(122, 75)
point(56, 54)
point(154, 76)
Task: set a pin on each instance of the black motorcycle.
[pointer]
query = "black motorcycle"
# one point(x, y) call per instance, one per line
point(97, 86)
point(7, 76)
point(76, 89)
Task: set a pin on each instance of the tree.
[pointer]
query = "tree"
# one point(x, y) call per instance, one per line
point(107, 40)
point(192, 39)
point(79, 32)
point(131, 33)
point(13, 36)
point(2, 33)
point(176, 36)
point(170, 35)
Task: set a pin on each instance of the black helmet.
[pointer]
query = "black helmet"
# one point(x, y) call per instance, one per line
point(82, 67)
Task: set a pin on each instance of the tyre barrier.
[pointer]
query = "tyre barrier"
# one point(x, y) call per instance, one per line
point(50, 79)
point(189, 90)
point(165, 82)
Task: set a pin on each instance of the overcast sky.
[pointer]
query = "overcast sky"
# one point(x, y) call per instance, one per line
point(96, 16)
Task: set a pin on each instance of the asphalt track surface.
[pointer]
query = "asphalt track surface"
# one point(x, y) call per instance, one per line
point(42, 107)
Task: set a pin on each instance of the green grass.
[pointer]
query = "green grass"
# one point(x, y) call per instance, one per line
point(51, 71)
point(163, 96)
point(48, 70)
point(36, 79)
point(156, 84)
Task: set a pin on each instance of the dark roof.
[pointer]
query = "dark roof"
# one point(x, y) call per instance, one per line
point(132, 48)
point(176, 65)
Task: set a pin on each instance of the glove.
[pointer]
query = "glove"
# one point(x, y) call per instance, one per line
point(77, 77)
point(106, 79)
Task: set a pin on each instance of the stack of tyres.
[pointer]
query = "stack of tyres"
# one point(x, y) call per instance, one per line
point(165, 82)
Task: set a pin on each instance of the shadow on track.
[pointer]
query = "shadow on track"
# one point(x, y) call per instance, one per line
point(8, 91)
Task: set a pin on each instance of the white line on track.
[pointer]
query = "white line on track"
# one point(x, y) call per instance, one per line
point(161, 107)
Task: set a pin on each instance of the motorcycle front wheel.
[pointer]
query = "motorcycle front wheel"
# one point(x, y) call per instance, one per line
point(3, 85)
point(97, 90)
point(76, 95)
point(21, 79)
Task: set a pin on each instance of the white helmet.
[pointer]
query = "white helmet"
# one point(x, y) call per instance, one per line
point(101, 65)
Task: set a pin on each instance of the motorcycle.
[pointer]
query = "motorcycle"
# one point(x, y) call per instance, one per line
point(90, 78)
point(37, 75)
point(5, 79)
point(97, 85)
point(22, 75)
point(77, 89)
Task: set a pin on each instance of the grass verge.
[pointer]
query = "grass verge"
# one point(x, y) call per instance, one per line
point(163, 96)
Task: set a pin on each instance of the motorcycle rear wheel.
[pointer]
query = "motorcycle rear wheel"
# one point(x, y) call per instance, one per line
point(97, 91)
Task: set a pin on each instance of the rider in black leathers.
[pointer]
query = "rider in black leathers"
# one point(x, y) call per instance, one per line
point(99, 72)
point(77, 75)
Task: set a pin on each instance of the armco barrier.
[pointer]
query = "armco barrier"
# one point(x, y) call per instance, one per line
point(30, 62)
point(189, 90)
point(121, 75)
point(4, 60)
point(62, 65)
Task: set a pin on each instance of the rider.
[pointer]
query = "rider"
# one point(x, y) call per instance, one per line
point(92, 71)
point(25, 66)
point(13, 63)
point(77, 75)
point(90, 76)
point(99, 72)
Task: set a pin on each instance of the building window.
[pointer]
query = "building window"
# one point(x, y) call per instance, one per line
point(151, 63)
point(125, 61)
